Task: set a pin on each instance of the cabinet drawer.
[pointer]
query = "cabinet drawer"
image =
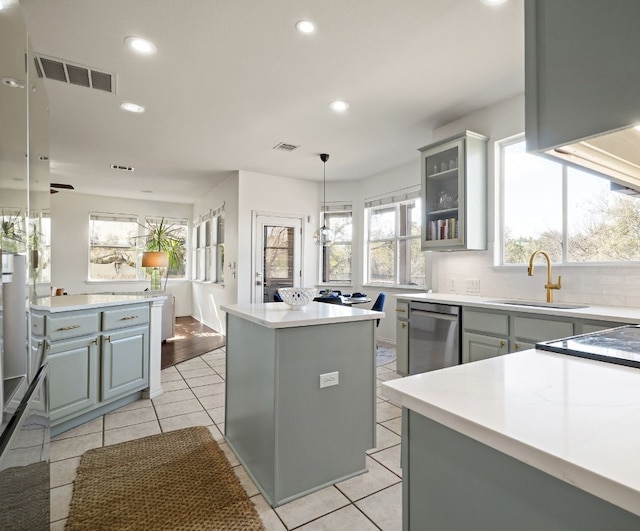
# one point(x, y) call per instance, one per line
point(37, 324)
point(483, 321)
point(402, 309)
point(71, 324)
point(125, 317)
point(540, 329)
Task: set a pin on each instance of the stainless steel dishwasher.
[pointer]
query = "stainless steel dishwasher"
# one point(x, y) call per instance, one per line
point(434, 336)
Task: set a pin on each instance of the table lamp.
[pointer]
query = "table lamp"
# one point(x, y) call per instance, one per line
point(155, 260)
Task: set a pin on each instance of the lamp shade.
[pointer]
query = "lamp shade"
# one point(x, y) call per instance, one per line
point(155, 259)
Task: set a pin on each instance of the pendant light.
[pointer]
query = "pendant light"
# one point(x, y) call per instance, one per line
point(324, 235)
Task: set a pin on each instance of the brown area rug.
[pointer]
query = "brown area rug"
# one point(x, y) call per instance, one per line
point(179, 480)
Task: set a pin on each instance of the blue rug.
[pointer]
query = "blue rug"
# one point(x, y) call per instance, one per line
point(385, 355)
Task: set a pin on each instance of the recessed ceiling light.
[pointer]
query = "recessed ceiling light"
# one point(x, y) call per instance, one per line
point(12, 82)
point(339, 106)
point(305, 26)
point(141, 46)
point(493, 2)
point(131, 107)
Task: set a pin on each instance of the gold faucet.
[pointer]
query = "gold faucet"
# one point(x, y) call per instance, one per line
point(549, 285)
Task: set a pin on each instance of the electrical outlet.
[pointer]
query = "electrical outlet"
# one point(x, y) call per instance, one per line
point(453, 285)
point(329, 379)
point(473, 285)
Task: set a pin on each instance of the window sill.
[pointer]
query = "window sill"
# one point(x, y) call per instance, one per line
point(395, 287)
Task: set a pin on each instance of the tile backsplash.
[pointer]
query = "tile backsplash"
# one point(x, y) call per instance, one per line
point(473, 273)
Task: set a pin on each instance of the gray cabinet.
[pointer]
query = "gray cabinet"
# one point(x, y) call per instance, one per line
point(490, 333)
point(402, 337)
point(99, 360)
point(476, 347)
point(125, 361)
point(454, 193)
point(300, 403)
point(73, 377)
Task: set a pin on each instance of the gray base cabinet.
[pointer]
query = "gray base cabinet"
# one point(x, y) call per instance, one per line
point(490, 333)
point(96, 358)
point(293, 436)
point(452, 482)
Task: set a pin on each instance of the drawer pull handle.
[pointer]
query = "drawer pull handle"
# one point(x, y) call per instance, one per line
point(404, 325)
point(502, 345)
point(129, 317)
point(107, 338)
point(70, 327)
point(400, 310)
point(94, 342)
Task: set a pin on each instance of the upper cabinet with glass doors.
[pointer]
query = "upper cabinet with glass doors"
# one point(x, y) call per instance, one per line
point(454, 193)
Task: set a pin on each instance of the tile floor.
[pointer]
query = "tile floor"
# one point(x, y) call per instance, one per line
point(194, 395)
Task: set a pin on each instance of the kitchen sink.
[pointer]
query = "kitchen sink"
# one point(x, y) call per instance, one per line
point(542, 304)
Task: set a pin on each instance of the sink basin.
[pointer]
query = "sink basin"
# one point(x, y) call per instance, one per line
point(542, 304)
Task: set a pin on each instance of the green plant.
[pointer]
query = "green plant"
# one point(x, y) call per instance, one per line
point(12, 233)
point(166, 237)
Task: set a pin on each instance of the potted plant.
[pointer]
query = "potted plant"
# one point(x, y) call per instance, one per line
point(167, 238)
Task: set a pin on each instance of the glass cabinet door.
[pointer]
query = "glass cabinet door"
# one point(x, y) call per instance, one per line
point(454, 193)
point(443, 190)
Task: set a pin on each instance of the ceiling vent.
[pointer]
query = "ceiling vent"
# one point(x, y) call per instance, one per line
point(283, 146)
point(74, 74)
point(120, 167)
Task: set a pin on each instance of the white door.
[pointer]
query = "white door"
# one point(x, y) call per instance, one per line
point(277, 259)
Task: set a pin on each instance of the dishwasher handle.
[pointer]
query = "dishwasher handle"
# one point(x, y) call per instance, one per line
point(435, 315)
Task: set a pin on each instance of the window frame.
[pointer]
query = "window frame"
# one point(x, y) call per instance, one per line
point(207, 252)
point(499, 256)
point(401, 239)
point(325, 252)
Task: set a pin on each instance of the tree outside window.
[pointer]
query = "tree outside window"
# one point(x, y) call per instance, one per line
point(573, 215)
point(113, 252)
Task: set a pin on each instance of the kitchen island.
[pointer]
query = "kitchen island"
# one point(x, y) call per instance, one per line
point(103, 352)
point(300, 394)
point(530, 440)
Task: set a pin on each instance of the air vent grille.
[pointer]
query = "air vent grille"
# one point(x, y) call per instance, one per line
point(74, 74)
point(283, 146)
point(120, 167)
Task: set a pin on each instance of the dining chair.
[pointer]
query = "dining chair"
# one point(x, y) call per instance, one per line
point(276, 296)
point(378, 305)
point(329, 300)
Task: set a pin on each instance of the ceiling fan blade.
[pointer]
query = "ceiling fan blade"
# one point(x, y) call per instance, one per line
point(53, 191)
point(65, 186)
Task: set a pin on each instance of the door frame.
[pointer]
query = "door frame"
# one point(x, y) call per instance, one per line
point(285, 219)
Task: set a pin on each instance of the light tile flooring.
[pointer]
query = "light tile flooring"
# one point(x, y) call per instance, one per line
point(194, 396)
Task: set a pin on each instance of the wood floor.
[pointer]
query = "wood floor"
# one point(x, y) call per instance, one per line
point(191, 339)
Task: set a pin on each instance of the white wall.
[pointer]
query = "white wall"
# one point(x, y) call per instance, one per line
point(70, 242)
point(208, 297)
point(597, 285)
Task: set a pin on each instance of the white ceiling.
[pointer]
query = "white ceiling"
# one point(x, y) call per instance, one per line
point(233, 78)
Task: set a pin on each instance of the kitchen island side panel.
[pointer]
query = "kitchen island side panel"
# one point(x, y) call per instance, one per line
point(250, 402)
point(454, 482)
point(323, 433)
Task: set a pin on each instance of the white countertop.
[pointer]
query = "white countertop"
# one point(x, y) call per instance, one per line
point(65, 303)
point(598, 313)
point(279, 315)
point(575, 419)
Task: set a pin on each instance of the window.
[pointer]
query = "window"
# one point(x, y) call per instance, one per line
point(573, 215)
point(176, 236)
point(113, 253)
point(208, 251)
point(336, 259)
point(394, 256)
point(40, 240)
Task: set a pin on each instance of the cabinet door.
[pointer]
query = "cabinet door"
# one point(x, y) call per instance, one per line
point(73, 377)
point(520, 345)
point(402, 347)
point(125, 362)
point(477, 347)
point(454, 193)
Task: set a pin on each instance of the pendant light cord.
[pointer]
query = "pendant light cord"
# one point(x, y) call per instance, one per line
point(324, 157)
